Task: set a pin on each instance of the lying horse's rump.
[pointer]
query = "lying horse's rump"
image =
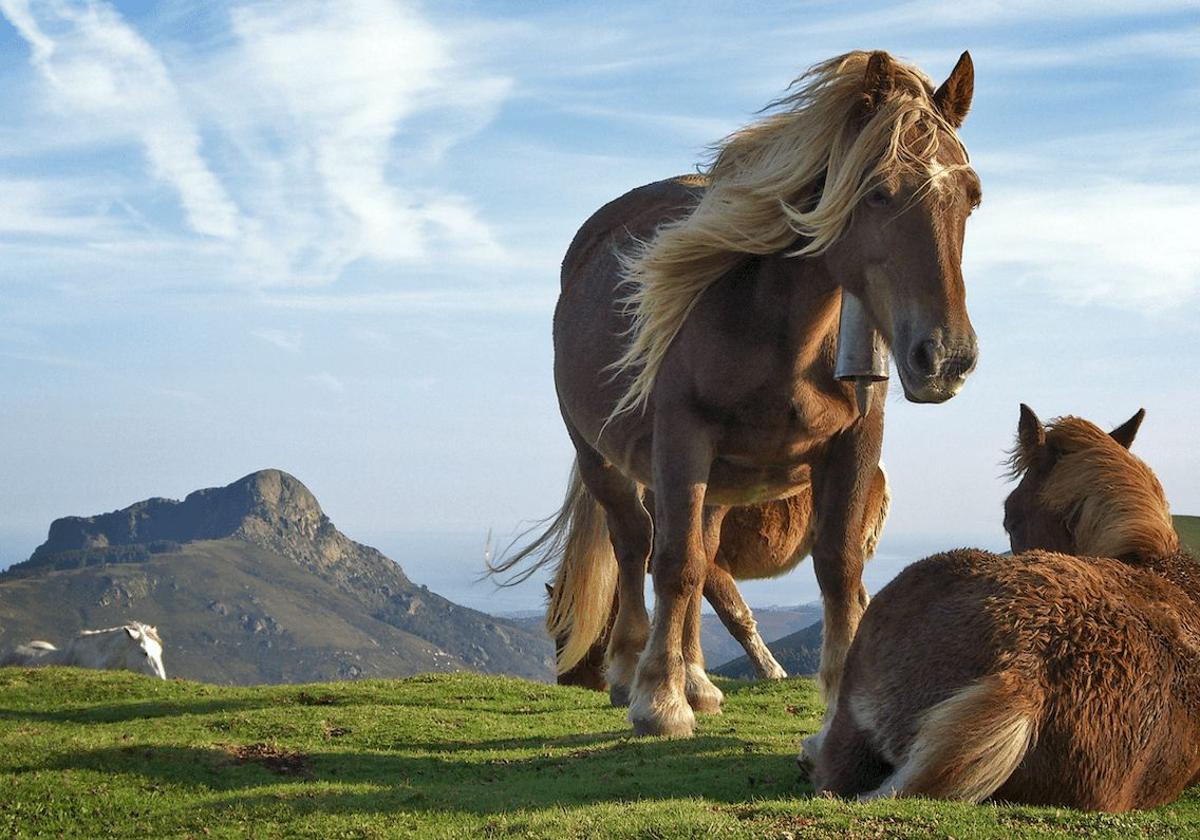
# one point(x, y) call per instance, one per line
point(1041, 678)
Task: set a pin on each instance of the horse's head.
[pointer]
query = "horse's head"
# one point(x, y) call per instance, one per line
point(1083, 492)
point(901, 250)
point(144, 652)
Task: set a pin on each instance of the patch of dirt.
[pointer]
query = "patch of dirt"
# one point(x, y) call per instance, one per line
point(306, 699)
point(332, 731)
point(276, 759)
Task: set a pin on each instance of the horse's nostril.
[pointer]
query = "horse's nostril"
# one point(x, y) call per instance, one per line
point(924, 359)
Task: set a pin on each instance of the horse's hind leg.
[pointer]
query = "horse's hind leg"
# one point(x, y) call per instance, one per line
point(721, 591)
point(702, 695)
point(632, 532)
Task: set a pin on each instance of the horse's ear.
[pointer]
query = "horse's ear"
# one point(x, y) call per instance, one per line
point(1031, 434)
point(953, 98)
point(1127, 431)
point(877, 83)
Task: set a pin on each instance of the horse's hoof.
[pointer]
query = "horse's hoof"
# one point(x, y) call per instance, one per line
point(670, 719)
point(702, 695)
point(773, 673)
point(618, 695)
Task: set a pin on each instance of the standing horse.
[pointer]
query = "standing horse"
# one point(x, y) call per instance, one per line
point(133, 647)
point(765, 540)
point(695, 338)
point(1040, 678)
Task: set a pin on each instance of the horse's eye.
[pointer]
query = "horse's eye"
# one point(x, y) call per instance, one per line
point(878, 197)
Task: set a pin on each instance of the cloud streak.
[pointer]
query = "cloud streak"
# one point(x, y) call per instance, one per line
point(284, 142)
point(96, 67)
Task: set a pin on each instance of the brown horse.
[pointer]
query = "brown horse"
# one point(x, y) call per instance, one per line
point(757, 541)
point(695, 338)
point(1041, 678)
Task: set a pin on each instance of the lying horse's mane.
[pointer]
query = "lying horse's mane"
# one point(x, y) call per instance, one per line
point(795, 174)
point(1115, 502)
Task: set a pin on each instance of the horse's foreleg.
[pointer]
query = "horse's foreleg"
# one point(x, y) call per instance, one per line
point(659, 704)
point(841, 493)
point(721, 591)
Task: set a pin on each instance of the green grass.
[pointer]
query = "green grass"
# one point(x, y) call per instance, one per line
point(1188, 528)
point(103, 754)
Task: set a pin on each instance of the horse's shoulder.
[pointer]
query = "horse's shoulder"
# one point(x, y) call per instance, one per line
point(638, 211)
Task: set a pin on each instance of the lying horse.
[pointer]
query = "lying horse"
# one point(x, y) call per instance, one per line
point(134, 647)
point(1043, 678)
point(757, 541)
point(695, 345)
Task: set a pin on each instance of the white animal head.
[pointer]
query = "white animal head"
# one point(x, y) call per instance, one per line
point(144, 655)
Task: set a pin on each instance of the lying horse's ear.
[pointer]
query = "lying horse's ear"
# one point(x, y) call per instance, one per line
point(953, 98)
point(1127, 431)
point(1031, 434)
point(877, 83)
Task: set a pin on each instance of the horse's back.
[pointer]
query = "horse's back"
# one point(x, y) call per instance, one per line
point(631, 217)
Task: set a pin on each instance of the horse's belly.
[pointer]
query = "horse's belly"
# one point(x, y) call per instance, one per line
point(734, 483)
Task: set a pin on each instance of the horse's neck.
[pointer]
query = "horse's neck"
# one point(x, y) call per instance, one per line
point(794, 297)
point(1180, 568)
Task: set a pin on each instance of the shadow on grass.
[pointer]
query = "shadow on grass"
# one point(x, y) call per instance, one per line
point(572, 770)
point(137, 710)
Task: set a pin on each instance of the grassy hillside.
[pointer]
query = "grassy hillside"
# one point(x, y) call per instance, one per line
point(111, 755)
point(1189, 531)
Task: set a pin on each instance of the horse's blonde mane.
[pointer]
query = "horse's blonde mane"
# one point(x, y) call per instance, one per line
point(1114, 499)
point(790, 180)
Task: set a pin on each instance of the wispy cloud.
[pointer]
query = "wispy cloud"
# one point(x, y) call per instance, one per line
point(328, 381)
point(300, 173)
point(98, 68)
point(957, 14)
point(1112, 243)
point(289, 340)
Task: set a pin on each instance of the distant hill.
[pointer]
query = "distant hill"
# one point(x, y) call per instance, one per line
point(798, 653)
point(719, 647)
point(252, 583)
point(1188, 528)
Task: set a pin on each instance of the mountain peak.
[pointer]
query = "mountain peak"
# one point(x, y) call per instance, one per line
point(266, 503)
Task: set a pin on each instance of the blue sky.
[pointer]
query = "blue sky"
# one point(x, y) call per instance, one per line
point(325, 237)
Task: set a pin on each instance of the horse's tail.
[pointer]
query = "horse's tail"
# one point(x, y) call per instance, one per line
point(585, 579)
point(969, 744)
